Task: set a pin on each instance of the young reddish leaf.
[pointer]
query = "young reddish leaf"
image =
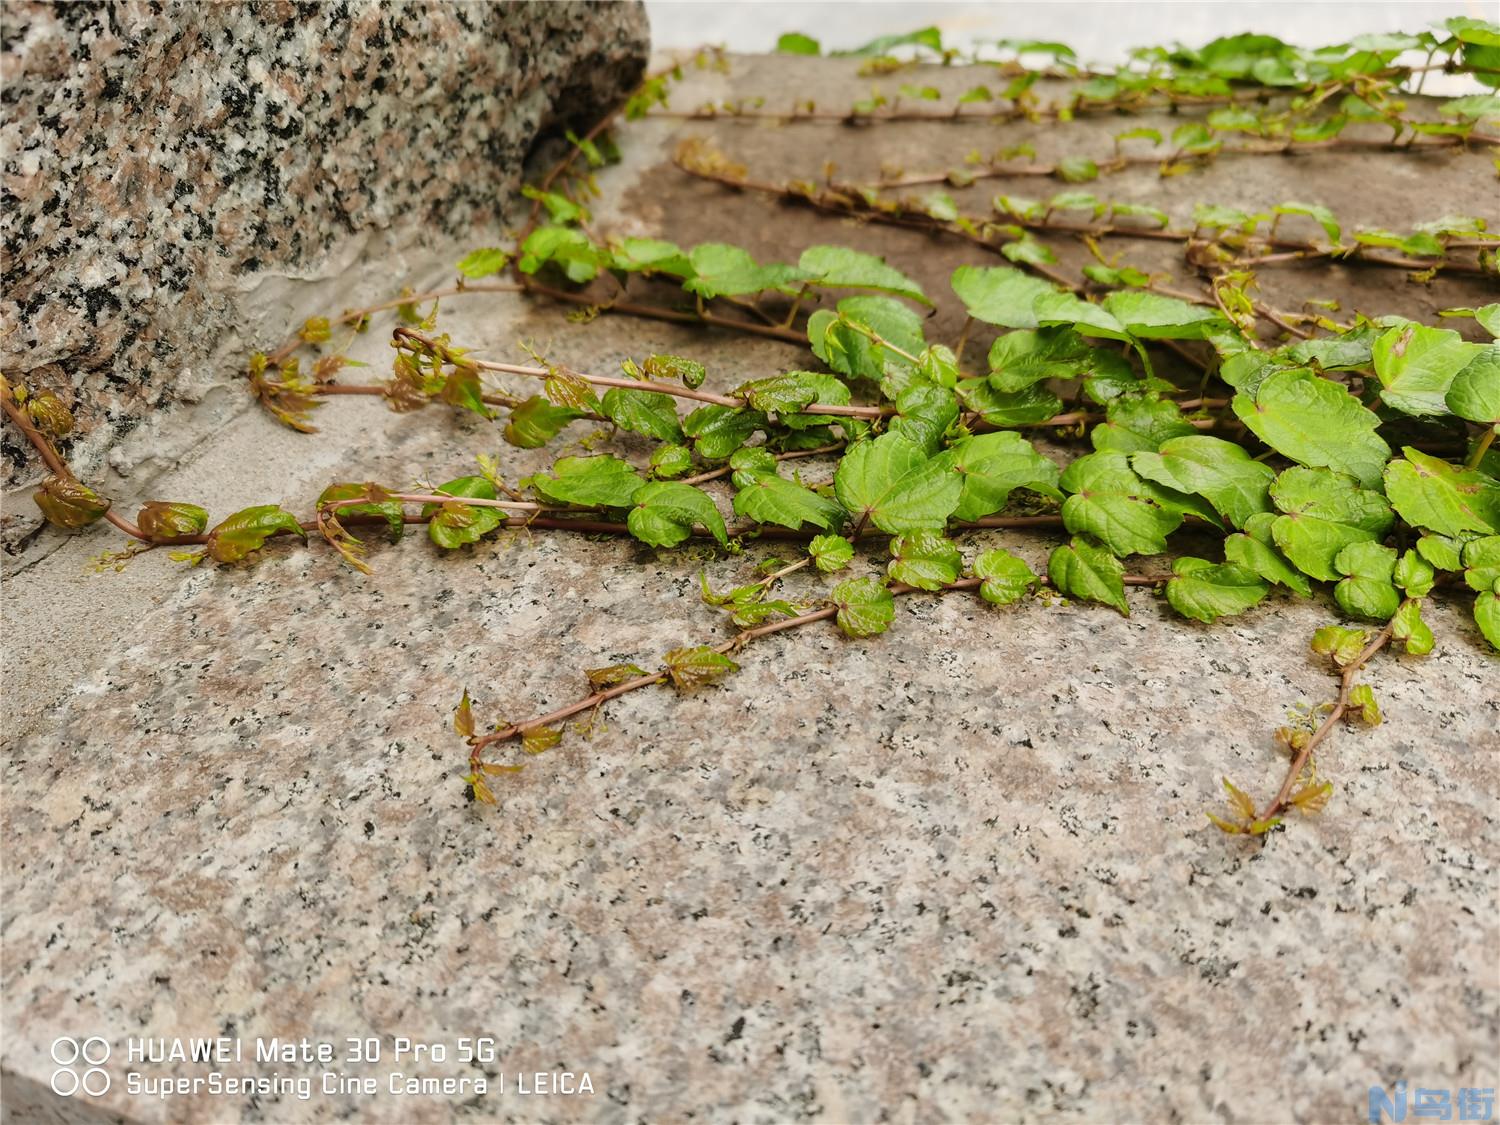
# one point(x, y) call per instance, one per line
point(463, 718)
point(68, 503)
point(162, 520)
point(698, 666)
point(601, 678)
point(536, 740)
point(247, 530)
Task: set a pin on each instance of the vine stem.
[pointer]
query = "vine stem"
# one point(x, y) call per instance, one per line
point(1346, 684)
point(675, 316)
point(515, 730)
point(1287, 148)
point(725, 470)
point(846, 199)
point(1481, 449)
point(640, 384)
point(354, 316)
point(54, 462)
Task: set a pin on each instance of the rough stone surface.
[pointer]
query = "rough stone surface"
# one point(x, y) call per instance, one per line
point(959, 872)
point(160, 164)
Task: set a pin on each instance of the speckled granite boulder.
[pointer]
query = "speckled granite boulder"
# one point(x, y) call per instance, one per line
point(158, 162)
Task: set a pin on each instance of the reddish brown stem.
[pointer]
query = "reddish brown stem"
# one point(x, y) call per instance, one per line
point(735, 643)
point(55, 464)
point(1346, 684)
point(672, 389)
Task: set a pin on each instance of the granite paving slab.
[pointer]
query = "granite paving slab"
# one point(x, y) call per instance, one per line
point(959, 872)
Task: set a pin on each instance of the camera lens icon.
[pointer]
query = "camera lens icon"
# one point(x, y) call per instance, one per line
point(68, 1053)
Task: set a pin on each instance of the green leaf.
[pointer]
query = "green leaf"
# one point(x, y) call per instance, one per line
point(830, 552)
point(939, 366)
point(591, 482)
point(1487, 616)
point(650, 256)
point(163, 520)
point(453, 524)
point(1349, 352)
point(1205, 591)
point(388, 510)
point(1126, 210)
point(1408, 627)
point(865, 606)
point(722, 270)
point(697, 667)
point(1034, 404)
point(891, 482)
point(536, 422)
point(484, 262)
point(668, 461)
point(940, 205)
point(1076, 170)
point(991, 465)
point(1020, 359)
point(790, 392)
point(569, 249)
point(1324, 512)
point(1489, 318)
point(1475, 107)
point(1317, 423)
point(1416, 365)
point(1263, 559)
point(1219, 471)
point(247, 530)
point(1150, 316)
point(1481, 46)
point(1441, 551)
point(717, 431)
point(1343, 645)
point(836, 267)
point(1007, 579)
point(1475, 391)
point(644, 412)
point(1059, 308)
point(668, 367)
point(1000, 295)
point(1111, 503)
point(926, 413)
point(929, 38)
point(1429, 493)
point(795, 43)
point(1139, 422)
point(1482, 562)
point(1318, 213)
point(1082, 570)
point(1362, 705)
point(924, 559)
point(1368, 592)
point(462, 389)
point(665, 512)
point(776, 500)
point(560, 209)
point(851, 353)
point(1414, 574)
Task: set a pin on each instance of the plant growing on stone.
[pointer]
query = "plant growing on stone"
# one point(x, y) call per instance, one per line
point(1351, 461)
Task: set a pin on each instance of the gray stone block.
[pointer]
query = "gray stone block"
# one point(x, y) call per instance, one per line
point(159, 165)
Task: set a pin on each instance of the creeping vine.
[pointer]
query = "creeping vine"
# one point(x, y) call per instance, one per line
point(1266, 431)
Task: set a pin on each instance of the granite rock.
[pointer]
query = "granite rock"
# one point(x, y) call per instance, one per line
point(162, 161)
point(958, 872)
